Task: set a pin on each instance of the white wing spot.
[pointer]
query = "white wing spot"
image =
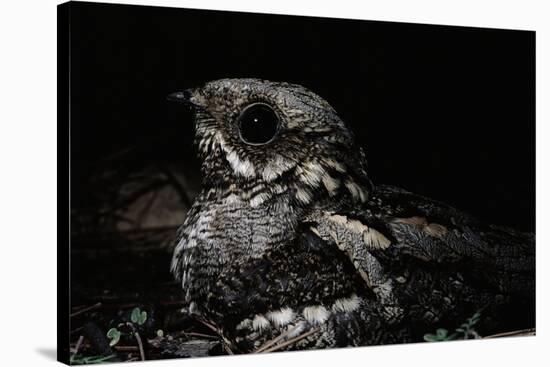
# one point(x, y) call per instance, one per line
point(347, 304)
point(431, 229)
point(338, 219)
point(371, 237)
point(316, 314)
point(375, 239)
point(260, 323)
point(281, 317)
point(435, 230)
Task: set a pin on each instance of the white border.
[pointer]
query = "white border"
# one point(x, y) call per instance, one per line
point(28, 180)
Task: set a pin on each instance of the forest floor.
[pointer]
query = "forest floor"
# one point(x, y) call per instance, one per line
point(126, 305)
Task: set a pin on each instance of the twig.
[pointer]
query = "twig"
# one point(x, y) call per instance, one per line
point(140, 344)
point(227, 349)
point(275, 340)
point(86, 309)
point(512, 333)
point(225, 342)
point(208, 325)
point(201, 335)
point(291, 341)
point(77, 347)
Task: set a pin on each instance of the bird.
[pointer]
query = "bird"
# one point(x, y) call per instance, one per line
point(290, 245)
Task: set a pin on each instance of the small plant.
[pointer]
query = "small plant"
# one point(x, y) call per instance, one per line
point(137, 317)
point(465, 331)
point(439, 336)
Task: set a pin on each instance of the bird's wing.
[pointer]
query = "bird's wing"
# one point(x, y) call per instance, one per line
point(436, 232)
point(399, 232)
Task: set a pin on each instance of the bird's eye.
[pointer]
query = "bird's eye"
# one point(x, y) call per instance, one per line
point(258, 124)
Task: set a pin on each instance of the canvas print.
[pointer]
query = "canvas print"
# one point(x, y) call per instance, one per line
point(235, 183)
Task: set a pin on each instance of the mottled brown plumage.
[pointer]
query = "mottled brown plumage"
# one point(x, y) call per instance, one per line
point(289, 236)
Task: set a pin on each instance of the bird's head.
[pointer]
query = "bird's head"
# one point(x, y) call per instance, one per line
point(280, 137)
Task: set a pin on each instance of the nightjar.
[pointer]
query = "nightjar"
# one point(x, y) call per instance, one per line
point(290, 246)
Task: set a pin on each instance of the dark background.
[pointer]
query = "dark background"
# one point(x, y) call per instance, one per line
point(446, 112)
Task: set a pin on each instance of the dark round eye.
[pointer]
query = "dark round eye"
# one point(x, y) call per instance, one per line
point(258, 124)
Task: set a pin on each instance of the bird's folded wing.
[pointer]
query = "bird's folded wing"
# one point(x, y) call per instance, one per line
point(397, 225)
point(438, 233)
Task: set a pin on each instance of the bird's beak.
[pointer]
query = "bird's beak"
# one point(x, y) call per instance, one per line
point(185, 97)
point(181, 97)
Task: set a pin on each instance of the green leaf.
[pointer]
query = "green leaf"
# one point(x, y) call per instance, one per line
point(429, 337)
point(135, 315)
point(138, 317)
point(441, 333)
point(114, 335)
point(112, 332)
point(142, 318)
